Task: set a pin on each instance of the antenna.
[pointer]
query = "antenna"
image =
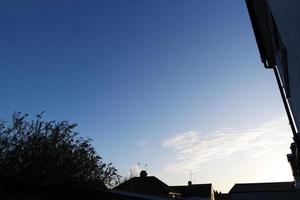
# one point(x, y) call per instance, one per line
point(139, 166)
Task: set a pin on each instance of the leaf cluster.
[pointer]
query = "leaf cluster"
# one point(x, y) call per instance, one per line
point(39, 153)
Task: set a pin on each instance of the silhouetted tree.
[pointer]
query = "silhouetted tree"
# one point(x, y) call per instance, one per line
point(40, 153)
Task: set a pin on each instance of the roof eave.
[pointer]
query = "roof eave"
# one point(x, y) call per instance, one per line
point(265, 47)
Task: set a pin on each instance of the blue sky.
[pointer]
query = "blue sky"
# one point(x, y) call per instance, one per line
point(134, 74)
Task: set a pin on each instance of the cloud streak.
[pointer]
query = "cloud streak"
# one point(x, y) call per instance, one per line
point(142, 142)
point(193, 149)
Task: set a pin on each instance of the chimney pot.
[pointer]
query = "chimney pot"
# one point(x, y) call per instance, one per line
point(143, 173)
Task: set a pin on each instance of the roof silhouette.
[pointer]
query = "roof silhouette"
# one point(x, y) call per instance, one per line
point(263, 187)
point(149, 185)
point(194, 190)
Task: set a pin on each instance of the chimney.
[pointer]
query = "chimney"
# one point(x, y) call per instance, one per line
point(190, 183)
point(143, 174)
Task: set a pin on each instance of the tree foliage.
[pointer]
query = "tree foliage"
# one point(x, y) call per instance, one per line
point(40, 153)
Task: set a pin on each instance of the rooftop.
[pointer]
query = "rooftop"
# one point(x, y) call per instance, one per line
point(146, 185)
point(199, 190)
point(263, 187)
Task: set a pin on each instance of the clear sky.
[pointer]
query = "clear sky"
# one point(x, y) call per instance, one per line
point(177, 85)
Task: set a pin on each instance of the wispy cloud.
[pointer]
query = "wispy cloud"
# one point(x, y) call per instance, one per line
point(142, 142)
point(194, 149)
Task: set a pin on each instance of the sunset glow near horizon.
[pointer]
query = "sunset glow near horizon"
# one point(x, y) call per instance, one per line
point(177, 85)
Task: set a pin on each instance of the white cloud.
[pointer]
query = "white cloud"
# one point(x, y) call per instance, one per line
point(142, 142)
point(135, 170)
point(194, 149)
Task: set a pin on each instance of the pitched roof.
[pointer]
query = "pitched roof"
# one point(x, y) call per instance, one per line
point(263, 187)
point(146, 185)
point(194, 190)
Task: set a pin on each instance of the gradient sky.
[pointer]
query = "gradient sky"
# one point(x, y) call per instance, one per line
point(177, 85)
